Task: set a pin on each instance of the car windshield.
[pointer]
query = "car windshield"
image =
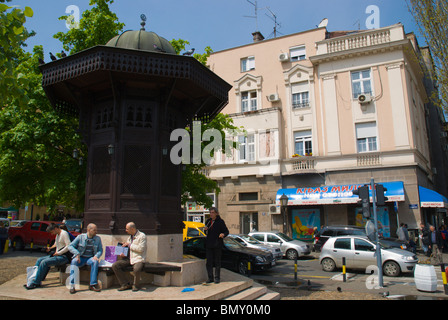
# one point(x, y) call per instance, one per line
point(250, 239)
point(284, 237)
point(230, 243)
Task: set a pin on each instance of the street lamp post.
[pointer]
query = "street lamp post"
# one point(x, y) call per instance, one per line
point(284, 203)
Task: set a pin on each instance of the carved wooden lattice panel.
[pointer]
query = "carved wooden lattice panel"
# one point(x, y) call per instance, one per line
point(104, 117)
point(137, 169)
point(100, 170)
point(138, 116)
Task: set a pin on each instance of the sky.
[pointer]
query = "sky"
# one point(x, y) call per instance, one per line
point(220, 24)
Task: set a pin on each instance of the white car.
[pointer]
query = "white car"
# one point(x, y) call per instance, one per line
point(359, 253)
point(251, 242)
point(290, 248)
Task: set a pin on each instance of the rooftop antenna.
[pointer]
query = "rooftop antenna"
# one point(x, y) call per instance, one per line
point(273, 18)
point(256, 12)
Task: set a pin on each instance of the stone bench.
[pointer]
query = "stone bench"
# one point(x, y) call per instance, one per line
point(160, 274)
point(156, 273)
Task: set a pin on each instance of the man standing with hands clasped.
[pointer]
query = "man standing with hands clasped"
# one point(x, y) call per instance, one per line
point(136, 258)
point(216, 230)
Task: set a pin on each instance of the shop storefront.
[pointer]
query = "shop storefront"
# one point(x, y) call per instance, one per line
point(311, 208)
point(433, 206)
point(198, 213)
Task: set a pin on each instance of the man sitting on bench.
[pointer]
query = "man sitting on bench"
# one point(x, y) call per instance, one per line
point(86, 249)
point(135, 258)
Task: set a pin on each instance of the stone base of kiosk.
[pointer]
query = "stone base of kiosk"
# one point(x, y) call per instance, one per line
point(165, 265)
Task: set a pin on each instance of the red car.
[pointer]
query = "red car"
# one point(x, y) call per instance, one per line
point(33, 232)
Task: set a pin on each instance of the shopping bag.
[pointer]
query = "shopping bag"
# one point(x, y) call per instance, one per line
point(30, 275)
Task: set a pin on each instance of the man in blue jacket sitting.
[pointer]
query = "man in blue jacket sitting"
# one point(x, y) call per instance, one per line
point(86, 249)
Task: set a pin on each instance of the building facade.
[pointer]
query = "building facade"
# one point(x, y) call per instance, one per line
point(326, 112)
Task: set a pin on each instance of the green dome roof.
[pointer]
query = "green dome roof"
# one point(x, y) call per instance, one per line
point(141, 40)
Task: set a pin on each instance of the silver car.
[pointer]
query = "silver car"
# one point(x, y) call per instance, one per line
point(290, 248)
point(359, 253)
point(251, 242)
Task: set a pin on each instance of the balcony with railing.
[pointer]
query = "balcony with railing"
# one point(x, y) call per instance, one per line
point(319, 164)
point(361, 40)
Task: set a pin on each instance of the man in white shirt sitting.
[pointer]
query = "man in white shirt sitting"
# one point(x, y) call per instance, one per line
point(60, 257)
point(135, 258)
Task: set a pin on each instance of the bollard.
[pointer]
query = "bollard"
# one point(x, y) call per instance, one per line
point(295, 268)
point(249, 271)
point(5, 250)
point(14, 246)
point(31, 245)
point(344, 273)
point(444, 274)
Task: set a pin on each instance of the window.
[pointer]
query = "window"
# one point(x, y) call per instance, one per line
point(343, 243)
point(300, 95)
point(35, 226)
point(303, 144)
point(297, 53)
point(247, 147)
point(247, 64)
point(361, 83)
point(248, 196)
point(259, 237)
point(272, 238)
point(300, 100)
point(366, 137)
point(361, 245)
point(248, 101)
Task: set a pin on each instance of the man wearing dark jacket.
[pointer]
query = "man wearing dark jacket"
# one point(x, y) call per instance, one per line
point(436, 245)
point(216, 231)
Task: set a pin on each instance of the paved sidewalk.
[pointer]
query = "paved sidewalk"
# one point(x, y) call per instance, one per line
point(53, 290)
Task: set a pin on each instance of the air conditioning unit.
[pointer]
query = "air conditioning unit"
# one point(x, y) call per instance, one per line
point(273, 97)
point(283, 57)
point(364, 98)
point(274, 209)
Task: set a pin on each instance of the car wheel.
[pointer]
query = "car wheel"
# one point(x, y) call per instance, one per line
point(328, 265)
point(243, 267)
point(391, 269)
point(292, 254)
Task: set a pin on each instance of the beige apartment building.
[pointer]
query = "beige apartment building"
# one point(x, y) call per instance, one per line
point(326, 112)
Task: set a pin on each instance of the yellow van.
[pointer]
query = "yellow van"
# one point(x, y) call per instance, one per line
point(193, 229)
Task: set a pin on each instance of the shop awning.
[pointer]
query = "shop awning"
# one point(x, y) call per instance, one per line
point(338, 194)
point(431, 199)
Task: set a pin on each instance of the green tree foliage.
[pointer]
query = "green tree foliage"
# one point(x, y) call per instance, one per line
point(35, 142)
point(12, 36)
point(431, 17)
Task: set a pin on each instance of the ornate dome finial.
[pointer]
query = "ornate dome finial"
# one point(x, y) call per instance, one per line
point(143, 23)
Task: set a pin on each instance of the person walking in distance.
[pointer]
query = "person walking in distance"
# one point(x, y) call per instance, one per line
point(436, 245)
point(216, 230)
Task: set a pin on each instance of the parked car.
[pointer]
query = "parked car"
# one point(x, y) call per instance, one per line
point(234, 256)
point(340, 230)
point(359, 253)
point(290, 248)
point(193, 229)
point(75, 225)
point(250, 242)
point(33, 232)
